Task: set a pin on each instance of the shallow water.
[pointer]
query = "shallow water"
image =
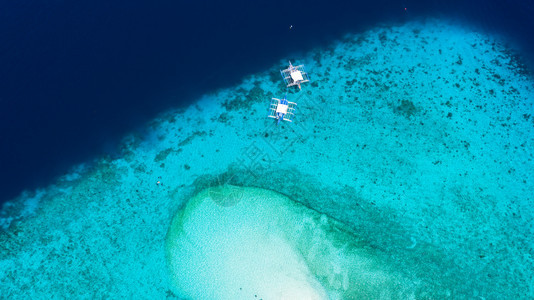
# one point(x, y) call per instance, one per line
point(416, 136)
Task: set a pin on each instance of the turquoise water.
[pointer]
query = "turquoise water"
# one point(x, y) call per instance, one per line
point(417, 137)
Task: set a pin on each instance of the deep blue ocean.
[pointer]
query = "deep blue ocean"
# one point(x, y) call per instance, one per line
point(77, 76)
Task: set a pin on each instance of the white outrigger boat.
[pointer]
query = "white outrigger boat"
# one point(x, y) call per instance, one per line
point(294, 75)
point(281, 109)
